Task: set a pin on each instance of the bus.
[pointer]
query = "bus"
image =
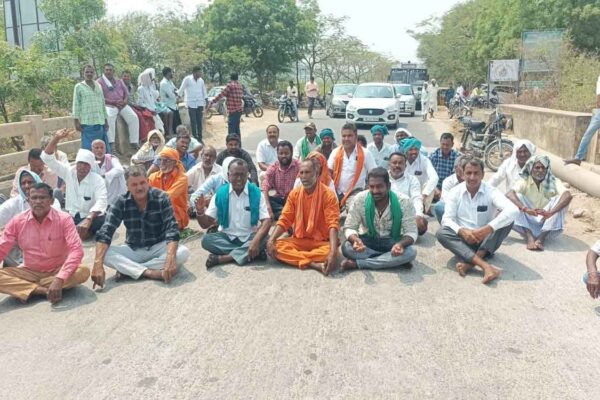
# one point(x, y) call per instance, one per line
point(410, 73)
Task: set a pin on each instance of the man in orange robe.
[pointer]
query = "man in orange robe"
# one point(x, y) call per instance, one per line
point(313, 213)
point(171, 178)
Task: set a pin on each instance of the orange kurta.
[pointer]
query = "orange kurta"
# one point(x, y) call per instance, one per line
point(301, 252)
point(176, 186)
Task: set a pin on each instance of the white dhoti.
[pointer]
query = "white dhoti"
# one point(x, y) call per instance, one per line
point(554, 225)
point(131, 119)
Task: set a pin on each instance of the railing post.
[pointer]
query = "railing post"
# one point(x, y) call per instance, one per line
point(37, 131)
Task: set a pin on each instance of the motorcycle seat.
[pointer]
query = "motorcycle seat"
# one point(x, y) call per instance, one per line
point(474, 124)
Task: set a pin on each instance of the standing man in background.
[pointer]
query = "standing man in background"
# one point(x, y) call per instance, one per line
point(312, 92)
point(292, 94)
point(589, 132)
point(168, 96)
point(234, 94)
point(89, 113)
point(194, 92)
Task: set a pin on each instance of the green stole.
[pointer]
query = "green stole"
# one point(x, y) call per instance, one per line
point(396, 216)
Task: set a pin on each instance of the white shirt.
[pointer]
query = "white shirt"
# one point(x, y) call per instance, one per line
point(460, 91)
point(239, 214)
point(14, 206)
point(423, 169)
point(596, 248)
point(292, 92)
point(266, 153)
point(83, 197)
point(509, 172)
point(194, 91)
point(381, 157)
point(167, 91)
point(298, 147)
point(348, 168)
point(448, 184)
point(462, 211)
point(311, 90)
point(147, 97)
point(410, 187)
point(197, 177)
point(115, 179)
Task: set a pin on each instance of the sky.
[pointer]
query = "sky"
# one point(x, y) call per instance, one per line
point(380, 24)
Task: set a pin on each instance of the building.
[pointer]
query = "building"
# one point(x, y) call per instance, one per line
point(22, 19)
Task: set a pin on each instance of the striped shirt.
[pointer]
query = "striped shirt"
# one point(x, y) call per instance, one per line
point(444, 166)
point(88, 104)
point(279, 179)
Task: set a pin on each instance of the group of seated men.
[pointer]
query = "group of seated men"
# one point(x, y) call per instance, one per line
point(385, 195)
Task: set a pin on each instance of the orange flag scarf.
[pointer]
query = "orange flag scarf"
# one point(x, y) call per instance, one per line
point(337, 169)
point(300, 231)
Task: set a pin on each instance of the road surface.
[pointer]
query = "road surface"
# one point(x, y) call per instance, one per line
point(265, 331)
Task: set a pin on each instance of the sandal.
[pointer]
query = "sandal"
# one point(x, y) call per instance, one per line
point(212, 260)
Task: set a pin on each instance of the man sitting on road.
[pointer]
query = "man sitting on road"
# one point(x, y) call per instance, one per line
point(182, 145)
point(312, 212)
point(510, 169)
point(234, 149)
point(171, 179)
point(449, 183)
point(403, 184)
point(194, 147)
point(542, 200)
point(380, 229)
point(266, 151)
point(52, 250)
point(149, 151)
point(443, 160)
point(402, 134)
point(280, 179)
point(311, 141)
point(420, 167)
point(379, 150)
point(151, 246)
point(241, 213)
point(199, 173)
point(472, 227)
point(592, 277)
point(349, 164)
point(86, 197)
point(110, 169)
point(37, 166)
point(327, 142)
point(16, 205)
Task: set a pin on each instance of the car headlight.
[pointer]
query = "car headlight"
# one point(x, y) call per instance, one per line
point(351, 108)
point(337, 102)
point(391, 109)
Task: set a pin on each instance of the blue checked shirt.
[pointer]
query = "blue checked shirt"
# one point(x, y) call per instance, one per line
point(145, 228)
point(443, 166)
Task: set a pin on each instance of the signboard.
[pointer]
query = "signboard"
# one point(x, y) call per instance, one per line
point(22, 19)
point(504, 70)
point(541, 50)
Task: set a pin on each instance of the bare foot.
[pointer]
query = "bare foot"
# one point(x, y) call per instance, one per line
point(463, 268)
point(539, 245)
point(572, 161)
point(531, 245)
point(118, 276)
point(317, 266)
point(348, 265)
point(155, 274)
point(39, 291)
point(490, 273)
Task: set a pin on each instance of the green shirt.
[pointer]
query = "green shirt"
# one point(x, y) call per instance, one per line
point(88, 104)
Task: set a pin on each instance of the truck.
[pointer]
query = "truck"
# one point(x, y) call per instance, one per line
point(410, 73)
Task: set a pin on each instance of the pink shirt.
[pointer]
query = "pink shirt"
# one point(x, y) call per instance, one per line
point(46, 246)
point(118, 92)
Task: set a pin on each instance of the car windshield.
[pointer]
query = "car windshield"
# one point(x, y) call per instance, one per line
point(374, 92)
point(403, 89)
point(215, 91)
point(343, 89)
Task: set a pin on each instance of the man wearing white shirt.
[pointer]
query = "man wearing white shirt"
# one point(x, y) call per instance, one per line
point(241, 212)
point(311, 89)
point(309, 142)
point(409, 186)
point(111, 170)
point(349, 164)
point(266, 151)
point(168, 96)
point(422, 168)
point(194, 92)
point(200, 172)
point(589, 133)
point(448, 184)
point(86, 198)
point(472, 227)
point(292, 94)
point(379, 150)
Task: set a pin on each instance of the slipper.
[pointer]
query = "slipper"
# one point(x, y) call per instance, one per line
point(212, 260)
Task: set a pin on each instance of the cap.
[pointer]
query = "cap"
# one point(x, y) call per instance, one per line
point(311, 125)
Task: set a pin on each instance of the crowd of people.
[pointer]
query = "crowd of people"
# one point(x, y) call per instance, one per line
point(301, 204)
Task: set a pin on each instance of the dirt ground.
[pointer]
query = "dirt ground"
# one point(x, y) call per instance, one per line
point(216, 127)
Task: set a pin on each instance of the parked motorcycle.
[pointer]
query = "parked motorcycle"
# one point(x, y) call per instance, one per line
point(485, 140)
point(459, 107)
point(286, 109)
point(216, 109)
point(251, 105)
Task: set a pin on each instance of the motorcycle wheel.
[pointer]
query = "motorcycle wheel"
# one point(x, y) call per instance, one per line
point(209, 113)
point(257, 111)
point(496, 152)
point(281, 115)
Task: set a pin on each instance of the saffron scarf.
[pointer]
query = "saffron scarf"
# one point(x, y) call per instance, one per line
point(337, 169)
point(301, 231)
point(324, 177)
point(396, 211)
point(305, 148)
point(222, 203)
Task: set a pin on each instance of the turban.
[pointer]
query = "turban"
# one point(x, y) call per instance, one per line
point(327, 132)
point(379, 128)
point(409, 143)
point(86, 156)
point(549, 181)
point(172, 154)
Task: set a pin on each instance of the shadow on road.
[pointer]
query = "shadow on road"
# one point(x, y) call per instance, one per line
point(512, 270)
point(72, 299)
point(183, 277)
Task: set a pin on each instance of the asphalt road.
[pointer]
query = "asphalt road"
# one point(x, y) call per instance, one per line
point(270, 332)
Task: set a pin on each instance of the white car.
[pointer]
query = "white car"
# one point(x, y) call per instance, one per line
point(374, 104)
point(408, 102)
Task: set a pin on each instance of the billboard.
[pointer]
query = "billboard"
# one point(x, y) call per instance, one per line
point(540, 50)
point(504, 70)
